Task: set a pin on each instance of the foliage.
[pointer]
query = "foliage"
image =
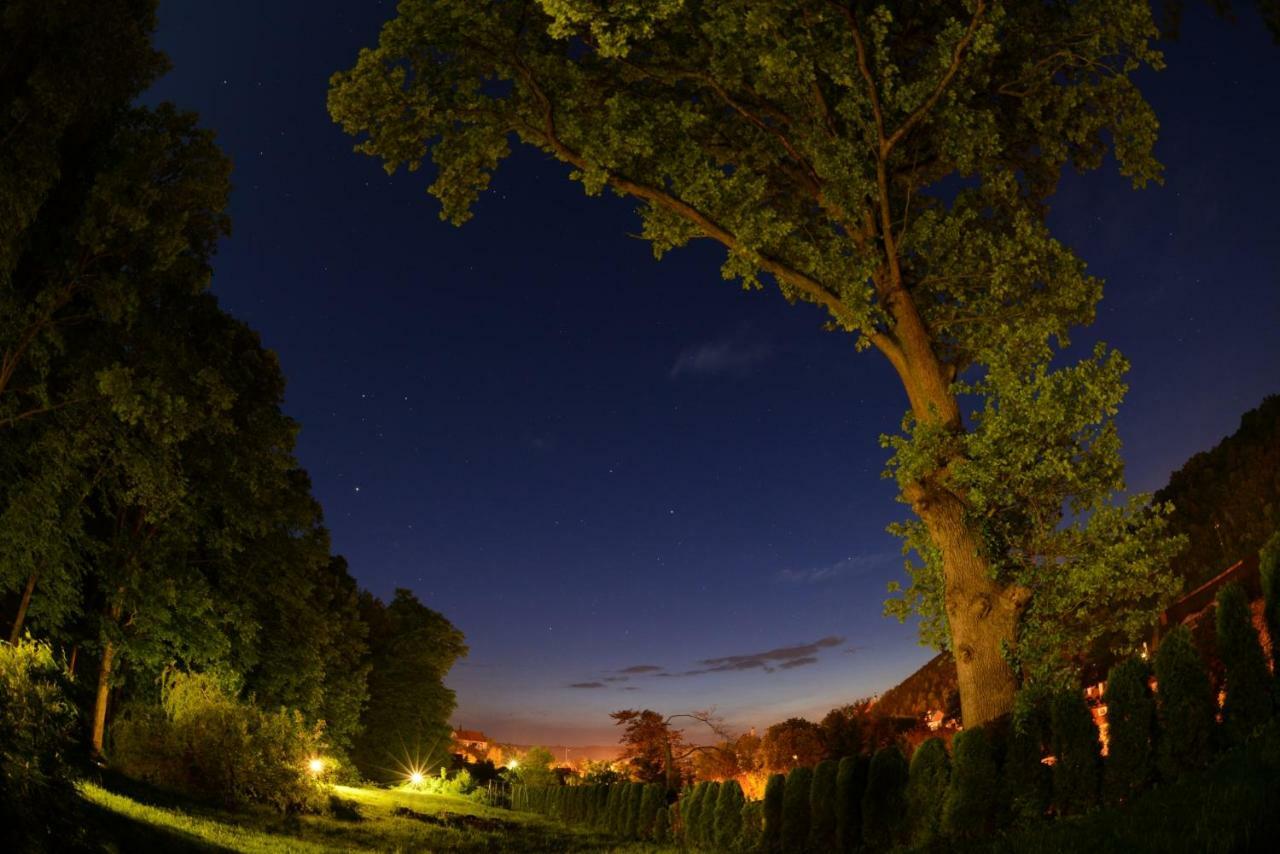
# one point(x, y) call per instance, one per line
point(842, 731)
point(206, 742)
point(884, 803)
point(927, 784)
point(631, 823)
point(37, 722)
point(535, 768)
point(646, 738)
point(1131, 715)
point(704, 829)
point(774, 796)
point(653, 799)
point(1028, 782)
point(406, 722)
point(972, 798)
point(851, 784)
point(1269, 567)
point(795, 811)
point(752, 819)
point(1226, 500)
point(1184, 699)
point(728, 820)
point(690, 812)
point(822, 807)
point(1076, 754)
point(890, 167)
point(662, 825)
point(792, 742)
point(1248, 703)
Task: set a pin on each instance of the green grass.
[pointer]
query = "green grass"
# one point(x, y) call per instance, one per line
point(125, 818)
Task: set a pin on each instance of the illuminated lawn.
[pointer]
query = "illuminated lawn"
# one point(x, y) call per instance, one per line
point(136, 821)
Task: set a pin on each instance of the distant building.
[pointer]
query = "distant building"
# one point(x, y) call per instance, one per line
point(475, 746)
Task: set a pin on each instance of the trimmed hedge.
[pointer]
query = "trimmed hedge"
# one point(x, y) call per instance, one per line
point(926, 790)
point(884, 804)
point(662, 826)
point(795, 811)
point(1076, 754)
point(652, 800)
point(1248, 702)
point(1269, 565)
point(1131, 714)
point(1184, 699)
point(973, 792)
point(774, 795)
point(728, 818)
point(851, 784)
point(752, 837)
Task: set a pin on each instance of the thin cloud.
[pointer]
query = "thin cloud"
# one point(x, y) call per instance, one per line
point(640, 669)
point(852, 565)
point(733, 356)
point(586, 684)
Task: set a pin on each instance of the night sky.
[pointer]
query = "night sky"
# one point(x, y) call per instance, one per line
point(595, 463)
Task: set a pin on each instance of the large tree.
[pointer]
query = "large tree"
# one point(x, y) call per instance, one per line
point(891, 164)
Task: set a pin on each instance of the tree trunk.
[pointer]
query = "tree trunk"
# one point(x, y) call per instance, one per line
point(100, 701)
point(16, 634)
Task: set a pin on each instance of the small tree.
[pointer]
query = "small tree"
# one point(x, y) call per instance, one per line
point(1027, 780)
point(653, 799)
point(1075, 750)
point(822, 807)
point(884, 804)
point(1131, 713)
point(1248, 703)
point(705, 832)
point(662, 826)
point(795, 810)
point(927, 790)
point(774, 795)
point(1184, 699)
point(752, 836)
point(969, 809)
point(851, 784)
point(1269, 560)
point(631, 824)
point(728, 820)
point(613, 808)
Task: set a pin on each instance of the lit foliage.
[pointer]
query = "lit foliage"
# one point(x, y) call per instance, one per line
point(1131, 714)
point(1248, 703)
point(1269, 566)
point(927, 790)
point(1185, 705)
point(647, 739)
point(890, 164)
point(973, 792)
point(1076, 754)
point(792, 742)
point(728, 823)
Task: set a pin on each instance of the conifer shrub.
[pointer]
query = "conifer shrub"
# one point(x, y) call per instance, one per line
point(1027, 781)
point(1131, 716)
point(613, 807)
point(631, 821)
point(851, 784)
point(1248, 701)
point(1269, 560)
point(774, 795)
point(690, 812)
point(822, 807)
point(972, 799)
point(653, 799)
point(795, 811)
point(705, 833)
point(1184, 705)
point(728, 821)
point(1076, 754)
point(884, 804)
point(752, 820)
point(662, 826)
point(929, 774)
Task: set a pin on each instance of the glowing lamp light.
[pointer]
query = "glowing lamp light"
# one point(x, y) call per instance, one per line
point(416, 778)
point(316, 765)
point(513, 764)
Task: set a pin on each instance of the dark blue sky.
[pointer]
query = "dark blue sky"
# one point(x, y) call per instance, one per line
point(589, 460)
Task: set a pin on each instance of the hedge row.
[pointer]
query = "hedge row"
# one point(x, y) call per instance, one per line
point(627, 810)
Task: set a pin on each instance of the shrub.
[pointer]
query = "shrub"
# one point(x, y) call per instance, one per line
point(631, 823)
point(207, 743)
point(1027, 780)
point(37, 724)
point(1075, 750)
point(973, 793)
point(774, 795)
point(690, 808)
point(851, 784)
point(1269, 560)
point(795, 810)
point(822, 807)
point(752, 820)
point(1131, 712)
point(1248, 703)
point(651, 801)
point(926, 790)
point(662, 826)
point(884, 804)
point(1184, 700)
point(728, 819)
point(705, 832)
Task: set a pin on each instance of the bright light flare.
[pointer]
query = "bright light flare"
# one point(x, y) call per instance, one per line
point(513, 764)
point(316, 765)
point(416, 778)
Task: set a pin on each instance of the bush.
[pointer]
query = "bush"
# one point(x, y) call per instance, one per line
point(1076, 754)
point(705, 832)
point(822, 807)
point(973, 792)
point(37, 725)
point(752, 836)
point(662, 826)
point(1269, 564)
point(774, 795)
point(690, 809)
point(631, 824)
point(927, 790)
point(205, 742)
point(728, 819)
point(1248, 703)
point(851, 784)
point(1131, 713)
point(884, 804)
point(1184, 700)
point(795, 810)
point(653, 799)
point(614, 808)
point(1028, 781)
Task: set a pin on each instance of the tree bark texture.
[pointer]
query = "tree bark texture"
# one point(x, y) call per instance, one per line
point(16, 634)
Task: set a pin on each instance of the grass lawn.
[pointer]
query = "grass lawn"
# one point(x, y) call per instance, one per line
point(125, 818)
